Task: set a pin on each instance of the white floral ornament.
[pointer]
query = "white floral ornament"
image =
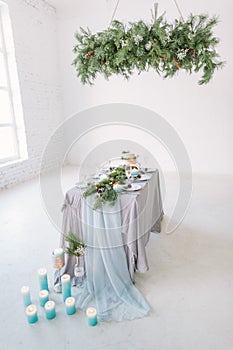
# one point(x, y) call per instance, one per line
point(182, 54)
point(148, 46)
point(137, 39)
point(123, 43)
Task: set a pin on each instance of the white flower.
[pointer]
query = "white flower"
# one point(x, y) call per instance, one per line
point(80, 250)
point(182, 54)
point(123, 43)
point(190, 36)
point(148, 46)
point(137, 39)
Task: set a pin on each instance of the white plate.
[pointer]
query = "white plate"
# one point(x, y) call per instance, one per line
point(134, 187)
point(144, 177)
point(150, 170)
point(81, 185)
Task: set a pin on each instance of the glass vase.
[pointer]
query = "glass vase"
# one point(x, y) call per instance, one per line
point(78, 271)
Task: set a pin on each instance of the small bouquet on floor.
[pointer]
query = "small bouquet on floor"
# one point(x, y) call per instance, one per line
point(76, 246)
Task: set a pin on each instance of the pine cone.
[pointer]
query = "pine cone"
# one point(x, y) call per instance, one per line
point(89, 54)
point(176, 62)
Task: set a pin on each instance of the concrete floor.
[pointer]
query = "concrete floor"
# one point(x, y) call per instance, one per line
point(189, 285)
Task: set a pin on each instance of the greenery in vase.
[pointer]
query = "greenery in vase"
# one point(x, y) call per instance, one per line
point(163, 46)
point(76, 246)
point(105, 188)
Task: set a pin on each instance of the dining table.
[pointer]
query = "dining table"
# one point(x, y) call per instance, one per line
point(116, 238)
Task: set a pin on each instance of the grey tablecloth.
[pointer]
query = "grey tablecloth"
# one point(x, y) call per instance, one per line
point(141, 213)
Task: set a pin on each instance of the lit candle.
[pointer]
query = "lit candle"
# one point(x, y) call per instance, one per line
point(58, 258)
point(31, 313)
point(43, 297)
point(26, 296)
point(66, 286)
point(50, 310)
point(43, 279)
point(91, 316)
point(70, 306)
point(58, 252)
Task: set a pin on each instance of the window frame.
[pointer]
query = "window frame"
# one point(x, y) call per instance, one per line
point(8, 88)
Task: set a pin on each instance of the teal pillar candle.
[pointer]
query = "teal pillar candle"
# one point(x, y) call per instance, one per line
point(91, 316)
point(43, 279)
point(25, 291)
point(50, 310)
point(70, 306)
point(31, 313)
point(43, 297)
point(66, 286)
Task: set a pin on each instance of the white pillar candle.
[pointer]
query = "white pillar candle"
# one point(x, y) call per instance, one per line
point(70, 306)
point(58, 258)
point(43, 297)
point(66, 286)
point(43, 279)
point(91, 316)
point(58, 251)
point(50, 310)
point(25, 291)
point(31, 313)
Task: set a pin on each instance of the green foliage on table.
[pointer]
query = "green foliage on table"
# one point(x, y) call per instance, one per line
point(76, 246)
point(104, 189)
point(165, 47)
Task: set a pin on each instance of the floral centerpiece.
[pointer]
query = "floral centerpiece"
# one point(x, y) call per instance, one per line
point(105, 189)
point(76, 246)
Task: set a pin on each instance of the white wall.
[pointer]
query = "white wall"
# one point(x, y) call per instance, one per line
point(200, 114)
point(35, 34)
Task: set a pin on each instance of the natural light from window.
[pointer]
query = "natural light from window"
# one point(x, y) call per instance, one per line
point(12, 132)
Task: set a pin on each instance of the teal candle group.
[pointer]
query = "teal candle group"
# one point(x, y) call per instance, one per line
point(50, 310)
point(66, 286)
point(43, 279)
point(91, 316)
point(26, 296)
point(70, 306)
point(31, 313)
point(43, 297)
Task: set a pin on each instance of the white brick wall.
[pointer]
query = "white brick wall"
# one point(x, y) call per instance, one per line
point(35, 35)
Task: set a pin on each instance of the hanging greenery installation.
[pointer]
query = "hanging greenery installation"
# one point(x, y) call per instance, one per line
point(165, 47)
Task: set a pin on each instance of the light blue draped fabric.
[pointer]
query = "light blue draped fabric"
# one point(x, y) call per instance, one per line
point(107, 285)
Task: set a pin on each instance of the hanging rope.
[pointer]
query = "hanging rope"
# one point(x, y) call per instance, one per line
point(153, 14)
point(114, 12)
point(179, 10)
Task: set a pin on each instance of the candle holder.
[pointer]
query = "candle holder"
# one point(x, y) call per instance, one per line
point(58, 262)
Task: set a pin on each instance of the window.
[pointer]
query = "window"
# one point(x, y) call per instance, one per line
point(12, 133)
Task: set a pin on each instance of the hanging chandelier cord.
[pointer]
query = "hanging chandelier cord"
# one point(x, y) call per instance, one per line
point(179, 10)
point(114, 12)
point(155, 11)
